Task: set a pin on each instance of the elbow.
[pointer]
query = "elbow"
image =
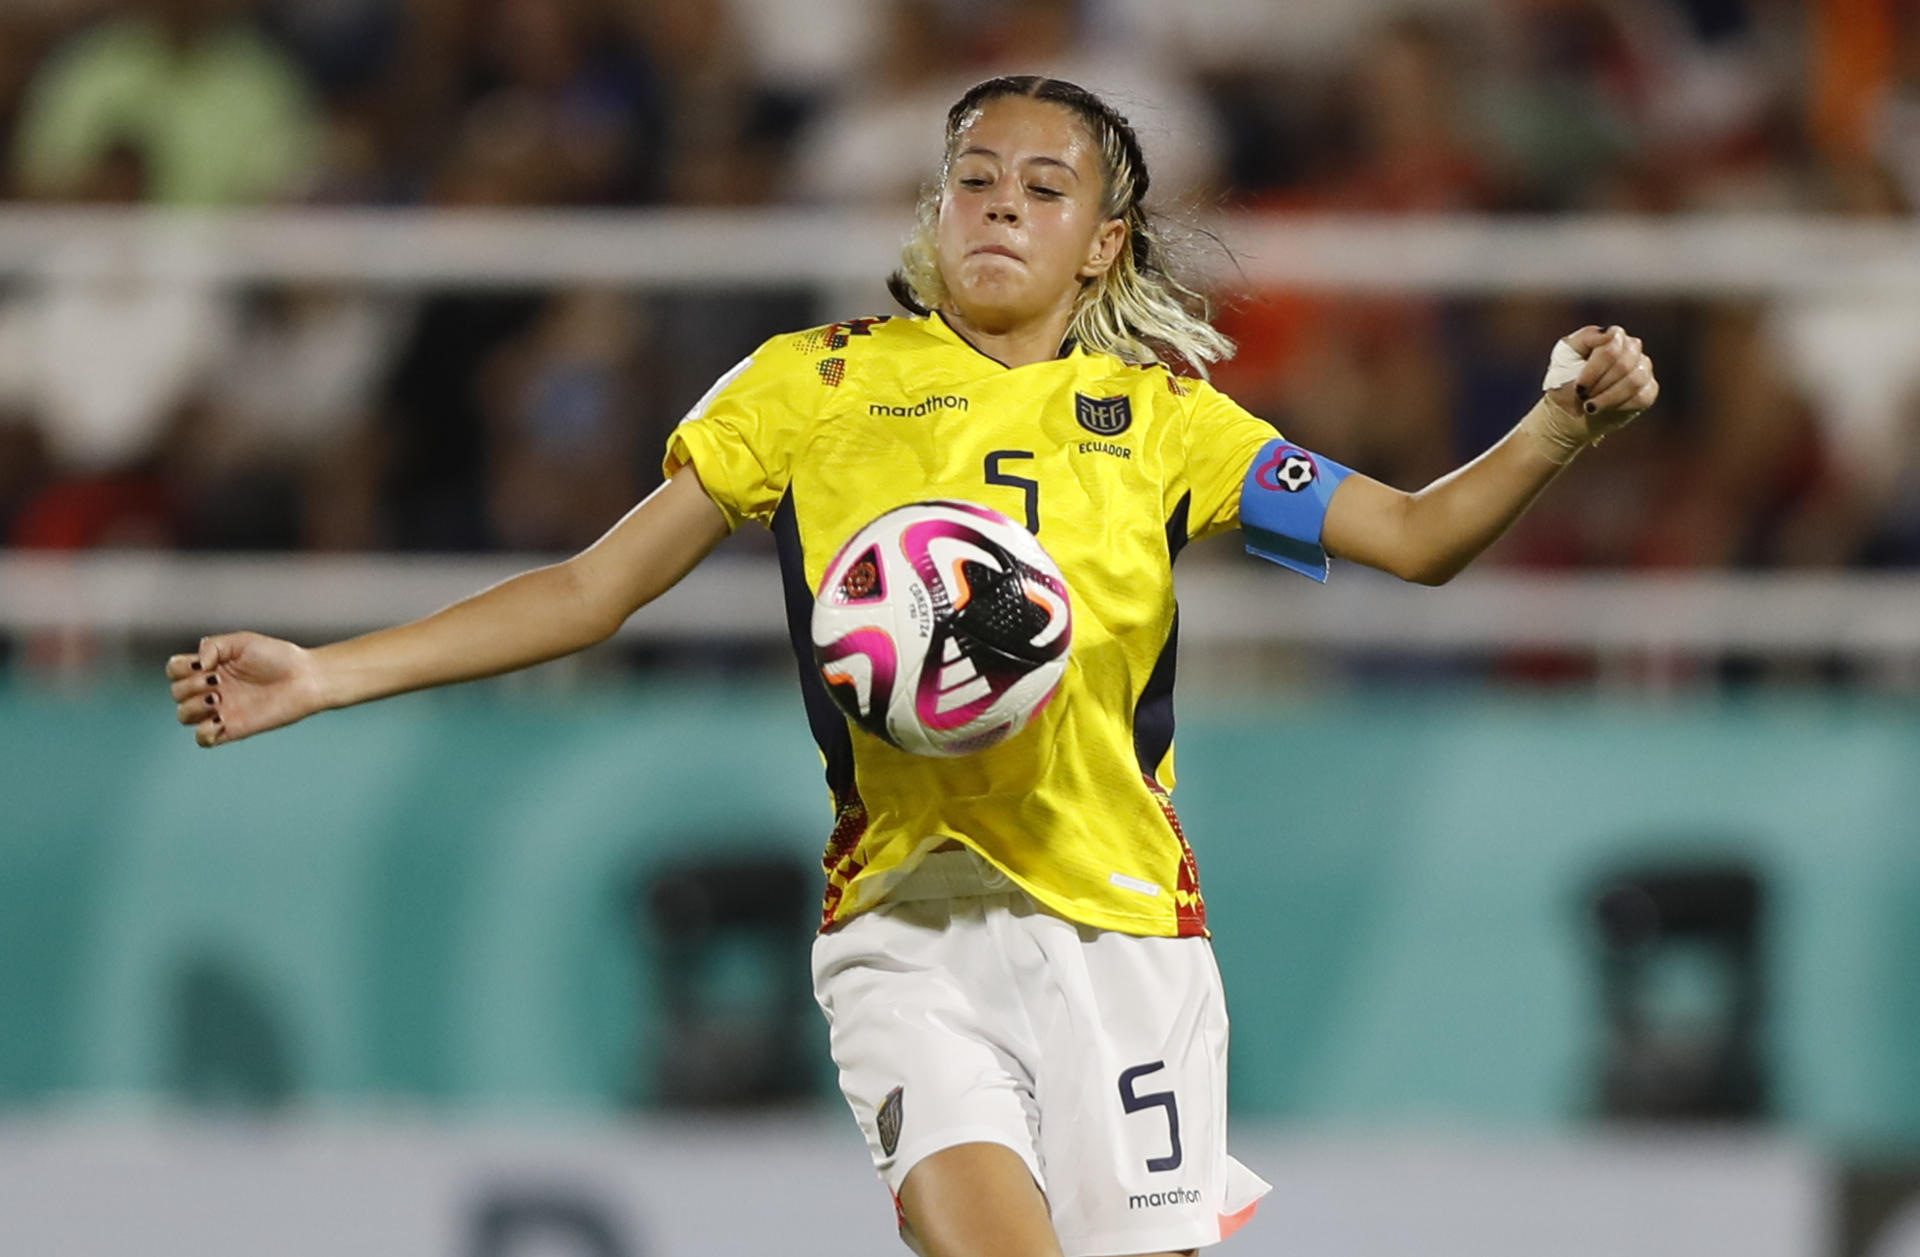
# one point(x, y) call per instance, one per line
point(592, 616)
point(1413, 553)
point(1432, 573)
point(602, 626)
point(601, 630)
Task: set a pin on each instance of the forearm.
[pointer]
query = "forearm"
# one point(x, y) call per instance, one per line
point(1453, 520)
point(236, 685)
point(538, 615)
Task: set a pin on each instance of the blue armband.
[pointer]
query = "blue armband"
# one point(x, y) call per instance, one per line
point(1283, 503)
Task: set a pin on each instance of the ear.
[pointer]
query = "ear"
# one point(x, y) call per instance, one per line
point(1104, 250)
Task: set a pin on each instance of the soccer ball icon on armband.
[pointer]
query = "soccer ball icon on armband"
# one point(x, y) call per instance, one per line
point(942, 627)
point(1295, 472)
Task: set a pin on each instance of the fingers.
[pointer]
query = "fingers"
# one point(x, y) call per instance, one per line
point(202, 715)
point(194, 684)
point(1586, 340)
point(212, 653)
point(1604, 358)
point(1613, 363)
point(193, 681)
point(1618, 375)
point(196, 690)
point(215, 651)
point(1635, 391)
point(200, 692)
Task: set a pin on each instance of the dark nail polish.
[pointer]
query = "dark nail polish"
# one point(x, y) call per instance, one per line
point(209, 700)
point(1580, 391)
point(217, 720)
point(1591, 408)
point(196, 665)
point(212, 680)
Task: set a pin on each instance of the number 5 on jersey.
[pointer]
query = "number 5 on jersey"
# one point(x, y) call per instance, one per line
point(1030, 488)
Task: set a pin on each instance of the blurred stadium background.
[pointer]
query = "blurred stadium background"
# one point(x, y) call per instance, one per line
point(1570, 908)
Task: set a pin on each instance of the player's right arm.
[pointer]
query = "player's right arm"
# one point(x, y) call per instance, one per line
point(240, 684)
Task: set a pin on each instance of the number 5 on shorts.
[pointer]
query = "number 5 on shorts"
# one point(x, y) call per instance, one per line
point(1133, 1103)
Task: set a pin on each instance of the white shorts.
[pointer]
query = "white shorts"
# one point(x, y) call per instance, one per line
point(961, 1011)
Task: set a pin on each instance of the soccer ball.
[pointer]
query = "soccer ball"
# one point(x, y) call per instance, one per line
point(942, 627)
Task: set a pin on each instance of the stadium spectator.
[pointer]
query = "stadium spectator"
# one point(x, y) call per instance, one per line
point(285, 444)
point(217, 113)
point(1412, 150)
point(344, 47)
point(24, 465)
point(584, 94)
point(105, 358)
point(1368, 379)
point(562, 424)
point(22, 37)
point(854, 150)
point(867, 146)
point(1559, 103)
point(1849, 365)
point(1894, 128)
point(723, 132)
point(1650, 106)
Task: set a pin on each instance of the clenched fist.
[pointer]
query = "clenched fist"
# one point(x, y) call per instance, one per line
point(1597, 382)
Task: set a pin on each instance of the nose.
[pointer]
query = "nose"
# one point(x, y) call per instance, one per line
point(1001, 209)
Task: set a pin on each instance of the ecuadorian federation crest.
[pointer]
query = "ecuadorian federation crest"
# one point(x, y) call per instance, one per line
point(888, 1121)
point(1103, 416)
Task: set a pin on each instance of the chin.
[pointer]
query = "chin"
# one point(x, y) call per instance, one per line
point(989, 311)
point(990, 299)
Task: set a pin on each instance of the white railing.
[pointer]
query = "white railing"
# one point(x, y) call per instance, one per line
point(1704, 255)
point(738, 599)
point(1874, 618)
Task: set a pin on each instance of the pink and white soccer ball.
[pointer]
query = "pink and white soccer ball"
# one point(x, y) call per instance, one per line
point(942, 627)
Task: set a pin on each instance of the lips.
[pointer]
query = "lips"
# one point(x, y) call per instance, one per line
point(999, 250)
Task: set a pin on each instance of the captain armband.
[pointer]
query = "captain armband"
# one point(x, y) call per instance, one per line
point(1283, 504)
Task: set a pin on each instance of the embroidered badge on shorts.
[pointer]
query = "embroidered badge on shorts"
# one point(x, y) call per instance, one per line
point(889, 1121)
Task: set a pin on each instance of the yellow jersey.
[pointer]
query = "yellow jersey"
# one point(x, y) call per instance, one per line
point(1115, 468)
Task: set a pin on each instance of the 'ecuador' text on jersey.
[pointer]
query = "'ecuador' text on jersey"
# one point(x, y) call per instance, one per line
point(1117, 467)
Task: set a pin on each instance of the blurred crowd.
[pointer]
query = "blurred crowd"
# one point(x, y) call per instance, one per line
point(333, 417)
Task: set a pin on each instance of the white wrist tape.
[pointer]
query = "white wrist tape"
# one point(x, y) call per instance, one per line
point(1564, 367)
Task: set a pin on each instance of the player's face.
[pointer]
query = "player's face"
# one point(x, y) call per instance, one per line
point(1020, 220)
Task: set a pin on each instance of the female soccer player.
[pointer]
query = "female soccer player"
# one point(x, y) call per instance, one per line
point(1013, 958)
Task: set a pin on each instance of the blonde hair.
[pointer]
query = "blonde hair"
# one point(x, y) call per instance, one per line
point(1137, 310)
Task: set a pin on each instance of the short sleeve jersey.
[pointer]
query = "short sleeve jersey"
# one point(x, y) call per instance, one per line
point(1115, 467)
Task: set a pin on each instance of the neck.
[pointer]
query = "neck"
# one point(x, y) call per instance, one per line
point(1017, 344)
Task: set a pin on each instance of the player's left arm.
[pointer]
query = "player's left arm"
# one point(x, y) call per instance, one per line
point(1430, 535)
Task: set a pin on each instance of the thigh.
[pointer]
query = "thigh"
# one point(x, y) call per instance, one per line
point(975, 1200)
point(1132, 1090)
point(1011, 1070)
point(978, 1200)
point(926, 1062)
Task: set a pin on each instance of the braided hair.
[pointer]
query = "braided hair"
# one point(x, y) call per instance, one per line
point(1137, 310)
